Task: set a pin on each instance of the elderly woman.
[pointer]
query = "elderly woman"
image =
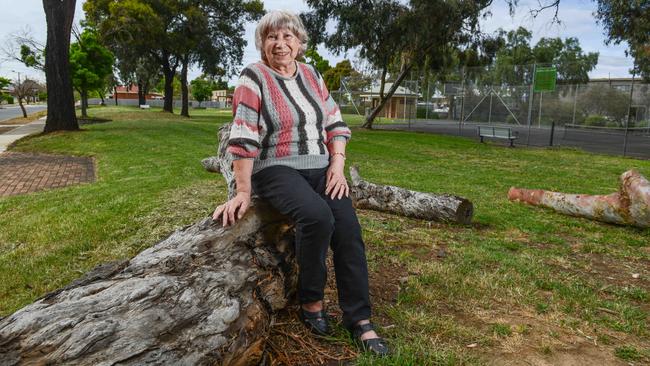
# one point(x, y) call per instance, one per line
point(288, 141)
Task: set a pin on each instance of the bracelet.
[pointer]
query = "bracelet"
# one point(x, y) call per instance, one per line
point(338, 153)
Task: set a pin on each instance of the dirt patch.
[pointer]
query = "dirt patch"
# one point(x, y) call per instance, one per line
point(536, 340)
point(291, 344)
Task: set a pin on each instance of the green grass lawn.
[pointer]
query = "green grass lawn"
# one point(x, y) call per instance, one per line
point(520, 283)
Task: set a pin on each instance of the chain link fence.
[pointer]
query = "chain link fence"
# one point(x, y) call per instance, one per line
point(605, 115)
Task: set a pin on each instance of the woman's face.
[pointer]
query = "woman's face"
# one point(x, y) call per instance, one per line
point(281, 47)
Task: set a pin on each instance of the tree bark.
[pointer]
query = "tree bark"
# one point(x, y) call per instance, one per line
point(385, 98)
point(203, 296)
point(84, 103)
point(169, 71)
point(184, 92)
point(22, 107)
point(629, 206)
point(426, 206)
point(141, 93)
point(115, 94)
point(60, 102)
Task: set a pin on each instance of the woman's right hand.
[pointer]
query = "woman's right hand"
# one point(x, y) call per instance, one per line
point(233, 210)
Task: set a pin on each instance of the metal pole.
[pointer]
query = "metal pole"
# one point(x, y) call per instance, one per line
point(426, 113)
point(490, 112)
point(531, 93)
point(629, 112)
point(539, 118)
point(462, 104)
point(575, 103)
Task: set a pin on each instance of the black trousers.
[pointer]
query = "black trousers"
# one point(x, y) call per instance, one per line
point(320, 222)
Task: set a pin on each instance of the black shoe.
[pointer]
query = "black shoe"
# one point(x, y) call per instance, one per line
point(316, 322)
point(375, 346)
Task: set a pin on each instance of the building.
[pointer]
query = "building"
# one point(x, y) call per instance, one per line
point(222, 96)
point(401, 105)
point(131, 92)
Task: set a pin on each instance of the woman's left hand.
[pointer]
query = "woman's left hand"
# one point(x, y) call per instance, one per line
point(337, 185)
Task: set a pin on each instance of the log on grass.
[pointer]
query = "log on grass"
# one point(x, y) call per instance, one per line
point(427, 206)
point(629, 206)
point(203, 296)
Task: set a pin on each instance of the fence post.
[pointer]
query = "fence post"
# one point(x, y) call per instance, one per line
point(575, 103)
point(530, 104)
point(490, 113)
point(629, 112)
point(462, 104)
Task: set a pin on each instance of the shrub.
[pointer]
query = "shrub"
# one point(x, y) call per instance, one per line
point(9, 99)
point(595, 120)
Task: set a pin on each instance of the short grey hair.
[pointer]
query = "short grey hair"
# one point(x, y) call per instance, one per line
point(280, 19)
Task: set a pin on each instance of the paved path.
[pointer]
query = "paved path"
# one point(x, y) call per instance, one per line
point(9, 137)
point(12, 111)
point(22, 173)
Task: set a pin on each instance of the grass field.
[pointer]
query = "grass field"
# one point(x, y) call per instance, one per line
point(521, 285)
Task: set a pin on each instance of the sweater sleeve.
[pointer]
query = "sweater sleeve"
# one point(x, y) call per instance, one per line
point(334, 126)
point(244, 141)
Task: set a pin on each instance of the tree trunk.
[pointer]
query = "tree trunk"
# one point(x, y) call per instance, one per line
point(203, 296)
point(22, 107)
point(629, 206)
point(84, 103)
point(419, 205)
point(101, 96)
point(141, 94)
point(168, 72)
point(452, 107)
point(115, 94)
point(382, 101)
point(184, 92)
point(60, 102)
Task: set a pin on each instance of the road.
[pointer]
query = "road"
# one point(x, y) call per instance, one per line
point(9, 112)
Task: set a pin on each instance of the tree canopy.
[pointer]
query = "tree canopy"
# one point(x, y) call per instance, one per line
point(417, 33)
point(201, 90)
point(90, 65)
point(175, 34)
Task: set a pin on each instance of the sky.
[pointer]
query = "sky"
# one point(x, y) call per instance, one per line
point(576, 17)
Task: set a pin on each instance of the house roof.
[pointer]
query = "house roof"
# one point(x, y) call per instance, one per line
point(400, 92)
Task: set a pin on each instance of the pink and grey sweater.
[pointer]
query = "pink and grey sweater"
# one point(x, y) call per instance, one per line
point(282, 120)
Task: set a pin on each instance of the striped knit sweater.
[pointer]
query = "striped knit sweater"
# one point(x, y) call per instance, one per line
point(282, 120)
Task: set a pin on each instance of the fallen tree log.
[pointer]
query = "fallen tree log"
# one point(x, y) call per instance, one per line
point(427, 206)
point(203, 296)
point(629, 206)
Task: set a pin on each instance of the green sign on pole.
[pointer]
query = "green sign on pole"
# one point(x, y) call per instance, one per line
point(545, 78)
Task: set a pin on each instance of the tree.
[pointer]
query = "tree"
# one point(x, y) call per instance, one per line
point(177, 34)
point(60, 102)
point(627, 21)
point(573, 66)
point(90, 64)
point(313, 58)
point(201, 90)
point(395, 36)
point(23, 90)
point(333, 76)
point(4, 82)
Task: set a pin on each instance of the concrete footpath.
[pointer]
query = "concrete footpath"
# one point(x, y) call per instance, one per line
point(9, 137)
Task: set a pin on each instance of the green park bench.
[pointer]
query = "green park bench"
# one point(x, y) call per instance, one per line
point(498, 133)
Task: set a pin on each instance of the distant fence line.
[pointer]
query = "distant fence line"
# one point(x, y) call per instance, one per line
point(155, 103)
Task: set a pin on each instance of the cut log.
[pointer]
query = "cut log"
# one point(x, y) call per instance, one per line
point(203, 296)
point(426, 206)
point(629, 206)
